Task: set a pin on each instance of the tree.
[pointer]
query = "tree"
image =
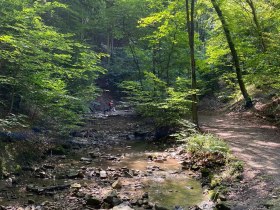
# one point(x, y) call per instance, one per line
point(257, 24)
point(234, 54)
point(43, 72)
point(190, 26)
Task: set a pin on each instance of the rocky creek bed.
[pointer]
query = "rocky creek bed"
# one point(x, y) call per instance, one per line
point(112, 163)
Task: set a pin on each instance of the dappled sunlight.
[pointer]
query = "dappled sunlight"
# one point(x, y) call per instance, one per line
point(257, 144)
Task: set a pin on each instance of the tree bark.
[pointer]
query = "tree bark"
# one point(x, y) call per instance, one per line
point(190, 26)
point(234, 54)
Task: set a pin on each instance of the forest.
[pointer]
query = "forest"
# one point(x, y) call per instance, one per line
point(172, 69)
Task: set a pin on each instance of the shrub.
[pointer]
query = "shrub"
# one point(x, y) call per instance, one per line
point(155, 99)
point(206, 143)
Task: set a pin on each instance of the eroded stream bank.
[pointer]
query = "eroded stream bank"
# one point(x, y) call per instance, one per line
point(111, 163)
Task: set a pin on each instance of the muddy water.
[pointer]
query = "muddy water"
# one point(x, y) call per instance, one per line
point(170, 192)
point(164, 181)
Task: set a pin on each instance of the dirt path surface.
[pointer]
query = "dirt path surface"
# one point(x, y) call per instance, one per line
point(257, 143)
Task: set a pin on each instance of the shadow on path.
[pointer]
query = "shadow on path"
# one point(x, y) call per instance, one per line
point(257, 143)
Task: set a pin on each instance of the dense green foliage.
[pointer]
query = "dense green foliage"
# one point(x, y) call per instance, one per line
point(48, 66)
point(43, 72)
point(155, 99)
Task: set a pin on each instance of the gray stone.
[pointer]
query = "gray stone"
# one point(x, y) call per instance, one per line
point(112, 199)
point(103, 174)
point(86, 159)
point(73, 175)
point(93, 201)
point(93, 154)
point(122, 207)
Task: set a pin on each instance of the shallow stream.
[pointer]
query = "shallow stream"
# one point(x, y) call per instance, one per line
point(154, 170)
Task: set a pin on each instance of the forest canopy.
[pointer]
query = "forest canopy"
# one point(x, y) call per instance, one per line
point(52, 52)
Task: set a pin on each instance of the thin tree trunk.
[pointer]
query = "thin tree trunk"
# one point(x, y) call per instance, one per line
point(134, 54)
point(169, 59)
point(136, 61)
point(190, 25)
point(258, 27)
point(234, 55)
point(154, 61)
point(12, 101)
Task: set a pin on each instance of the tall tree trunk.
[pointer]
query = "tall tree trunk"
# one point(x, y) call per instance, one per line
point(234, 55)
point(190, 25)
point(136, 61)
point(258, 27)
point(169, 59)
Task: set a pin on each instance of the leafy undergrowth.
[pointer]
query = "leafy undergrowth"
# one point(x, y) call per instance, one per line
point(212, 159)
point(18, 154)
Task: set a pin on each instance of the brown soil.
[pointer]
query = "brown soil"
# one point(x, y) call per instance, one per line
point(257, 143)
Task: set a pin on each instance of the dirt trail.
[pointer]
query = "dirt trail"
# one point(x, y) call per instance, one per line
point(257, 143)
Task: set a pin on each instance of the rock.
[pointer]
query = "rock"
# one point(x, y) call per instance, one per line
point(145, 201)
point(81, 175)
point(113, 199)
point(73, 175)
point(158, 160)
point(76, 185)
point(130, 137)
point(86, 159)
point(150, 157)
point(195, 208)
point(103, 174)
point(222, 197)
point(45, 203)
point(122, 207)
point(145, 195)
point(112, 157)
point(93, 154)
point(181, 151)
point(222, 206)
point(140, 202)
point(106, 206)
point(128, 174)
point(47, 166)
point(139, 135)
point(30, 201)
point(46, 190)
point(93, 201)
point(117, 185)
point(42, 174)
point(158, 207)
point(133, 202)
point(63, 157)
point(80, 194)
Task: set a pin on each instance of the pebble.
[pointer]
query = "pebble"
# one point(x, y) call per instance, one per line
point(103, 174)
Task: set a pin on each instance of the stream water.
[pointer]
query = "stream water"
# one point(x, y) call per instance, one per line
point(140, 167)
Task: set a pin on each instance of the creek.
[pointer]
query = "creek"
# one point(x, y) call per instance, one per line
point(141, 173)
